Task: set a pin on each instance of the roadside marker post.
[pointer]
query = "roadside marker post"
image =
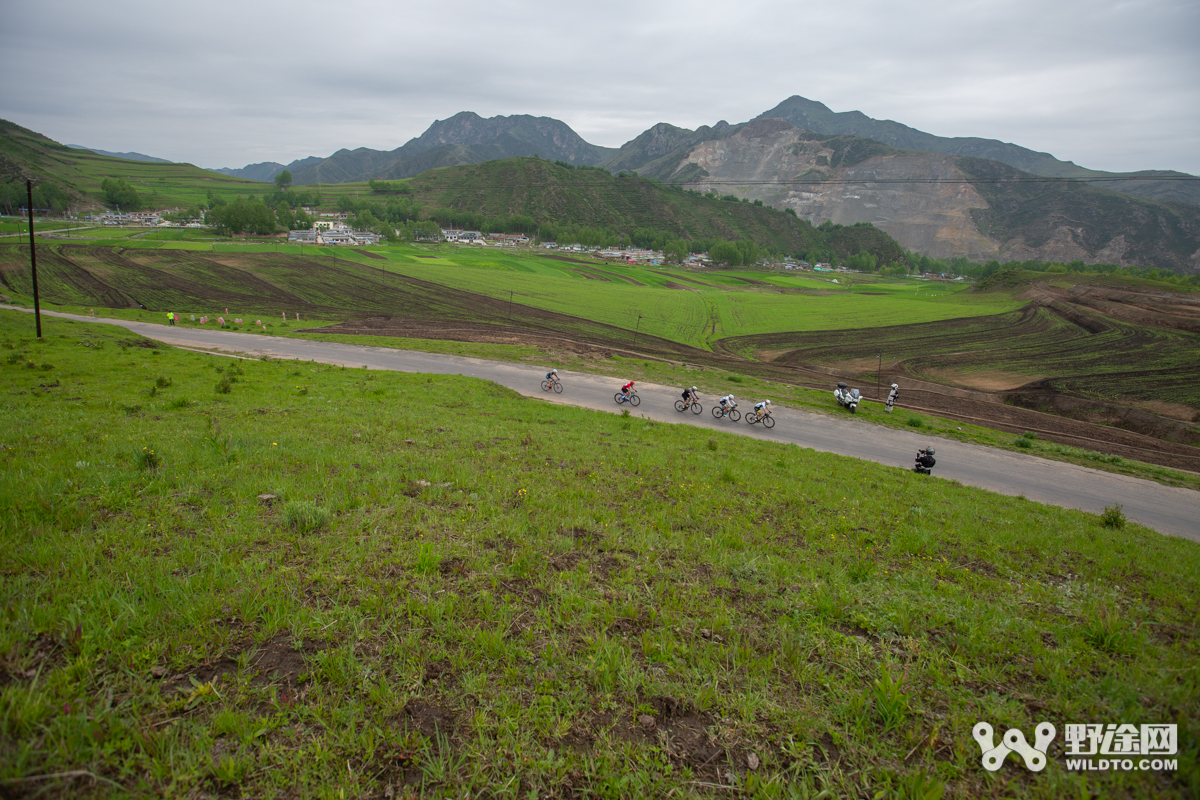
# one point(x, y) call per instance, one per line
point(37, 305)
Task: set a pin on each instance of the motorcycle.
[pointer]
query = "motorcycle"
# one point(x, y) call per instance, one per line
point(847, 397)
point(925, 461)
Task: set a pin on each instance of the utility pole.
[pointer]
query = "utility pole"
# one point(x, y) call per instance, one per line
point(37, 306)
point(636, 329)
point(878, 376)
point(510, 296)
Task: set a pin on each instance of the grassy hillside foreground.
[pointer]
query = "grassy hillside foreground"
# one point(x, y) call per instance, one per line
point(458, 591)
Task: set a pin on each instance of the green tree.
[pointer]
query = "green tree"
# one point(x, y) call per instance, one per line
point(283, 180)
point(676, 251)
point(726, 253)
point(118, 192)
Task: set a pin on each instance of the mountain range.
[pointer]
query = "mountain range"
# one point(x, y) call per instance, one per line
point(945, 197)
point(126, 156)
point(465, 138)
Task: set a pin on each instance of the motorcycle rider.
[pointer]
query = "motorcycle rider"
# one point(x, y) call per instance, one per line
point(893, 395)
point(925, 461)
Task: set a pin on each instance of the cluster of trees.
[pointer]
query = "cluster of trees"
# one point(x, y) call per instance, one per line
point(243, 215)
point(192, 214)
point(119, 194)
point(735, 254)
point(580, 166)
point(14, 196)
point(389, 187)
point(963, 267)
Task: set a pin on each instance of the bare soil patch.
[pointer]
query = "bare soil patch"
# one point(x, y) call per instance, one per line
point(986, 381)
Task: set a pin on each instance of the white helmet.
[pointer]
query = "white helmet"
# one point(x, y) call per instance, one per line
point(768, 402)
point(553, 372)
point(695, 389)
point(731, 397)
point(895, 386)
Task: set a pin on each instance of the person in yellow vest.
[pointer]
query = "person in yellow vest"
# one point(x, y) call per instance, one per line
point(170, 317)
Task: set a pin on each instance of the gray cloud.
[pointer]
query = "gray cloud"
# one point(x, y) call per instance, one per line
point(1110, 85)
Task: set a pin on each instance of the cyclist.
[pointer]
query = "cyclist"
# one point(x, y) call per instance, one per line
point(690, 396)
point(728, 402)
point(763, 408)
point(626, 390)
point(893, 395)
point(551, 378)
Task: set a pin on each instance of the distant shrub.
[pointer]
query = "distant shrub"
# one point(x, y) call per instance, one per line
point(46, 367)
point(1029, 435)
point(1113, 516)
point(728, 476)
point(1023, 442)
point(162, 382)
point(915, 422)
point(304, 515)
point(736, 379)
point(182, 402)
point(712, 445)
point(224, 386)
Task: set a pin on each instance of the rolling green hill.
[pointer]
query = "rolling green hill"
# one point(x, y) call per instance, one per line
point(547, 191)
point(73, 177)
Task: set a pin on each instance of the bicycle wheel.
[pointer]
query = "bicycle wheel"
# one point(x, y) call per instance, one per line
point(634, 400)
point(735, 415)
point(679, 405)
point(545, 386)
point(716, 412)
point(769, 421)
point(751, 418)
point(617, 397)
point(558, 387)
point(697, 408)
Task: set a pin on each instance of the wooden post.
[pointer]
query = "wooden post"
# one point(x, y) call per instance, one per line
point(37, 306)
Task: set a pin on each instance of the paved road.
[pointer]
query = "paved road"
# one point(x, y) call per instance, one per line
point(1168, 510)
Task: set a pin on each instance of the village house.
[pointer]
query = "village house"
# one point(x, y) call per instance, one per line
point(338, 234)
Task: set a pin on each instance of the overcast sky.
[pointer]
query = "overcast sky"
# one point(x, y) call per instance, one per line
point(1109, 85)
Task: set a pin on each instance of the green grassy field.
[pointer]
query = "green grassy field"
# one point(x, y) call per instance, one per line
point(737, 307)
point(491, 594)
point(10, 225)
point(614, 295)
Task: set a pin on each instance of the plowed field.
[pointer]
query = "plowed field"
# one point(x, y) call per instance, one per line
point(1085, 357)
